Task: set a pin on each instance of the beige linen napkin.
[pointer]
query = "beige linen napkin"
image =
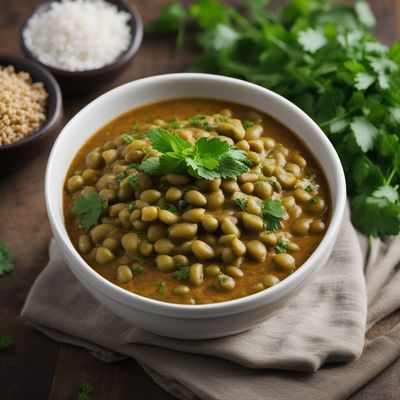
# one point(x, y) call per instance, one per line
point(324, 324)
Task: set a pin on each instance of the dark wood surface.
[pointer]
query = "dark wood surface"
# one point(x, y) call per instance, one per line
point(36, 367)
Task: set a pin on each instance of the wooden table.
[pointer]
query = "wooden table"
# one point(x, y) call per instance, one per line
point(36, 367)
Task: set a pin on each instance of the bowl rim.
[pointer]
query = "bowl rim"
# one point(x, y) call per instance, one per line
point(225, 308)
point(135, 23)
point(54, 109)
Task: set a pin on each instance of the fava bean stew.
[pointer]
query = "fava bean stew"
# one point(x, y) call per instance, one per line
point(195, 201)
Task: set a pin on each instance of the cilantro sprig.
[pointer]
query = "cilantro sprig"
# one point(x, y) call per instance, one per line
point(324, 57)
point(181, 273)
point(85, 390)
point(207, 159)
point(90, 207)
point(272, 212)
point(6, 260)
point(5, 341)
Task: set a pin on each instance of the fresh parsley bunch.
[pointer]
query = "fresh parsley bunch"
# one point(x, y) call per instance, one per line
point(207, 159)
point(324, 58)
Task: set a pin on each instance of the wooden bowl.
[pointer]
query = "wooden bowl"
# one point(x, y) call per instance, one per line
point(16, 155)
point(75, 82)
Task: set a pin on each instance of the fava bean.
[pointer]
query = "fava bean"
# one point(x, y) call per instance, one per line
point(196, 274)
point(269, 280)
point(202, 250)
point(256, 250)
point(104, 255)
point(183, 230)
point(124, 274)
point(284, 261)
point(165, 263)
point(195, 198)
point(194, 215)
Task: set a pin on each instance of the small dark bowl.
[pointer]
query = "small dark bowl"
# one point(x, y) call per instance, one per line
point(16, 155)
point(74, 82)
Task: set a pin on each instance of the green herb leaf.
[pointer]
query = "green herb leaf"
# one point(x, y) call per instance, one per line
point(85, 389)
point(181, 273)
point(140, 260)
point(121, 175)
point(90, 207)
point(6, 260)
point(207, 159)
point(5, 341)
point(247, 124)
point(128, 139)
point(132, 180)
point(281, 247)
point(272, 213)
point(138, 270)
point(160, 288)
point(240, 203)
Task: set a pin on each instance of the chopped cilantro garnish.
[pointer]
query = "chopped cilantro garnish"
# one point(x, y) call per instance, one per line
point(140, 260)
point(222, 279)
point(121, 175)
point(222, 118)
point(136, 128)
point(247, 124)
point(133, 165)
point(173, 119)
point(138, 270)
point(5, 341)
point(176, 126)
point(160, 288)
point(128, 139)
point(183, 205)
point(240, 203)
point(6, 260)
point(181, 273)
point(309, 188)
point(313, 200)
point(131, 207)
point(272, 213)
point(207, 159)
point(281, 246)
point(132, 180)
point(90, 207)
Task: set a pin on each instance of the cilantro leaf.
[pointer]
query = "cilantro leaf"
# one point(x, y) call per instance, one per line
point(6, 260)
point(5, 341)
point(377, 216)
point(247, 124)
point(312, 40)
point(90, 207)
point(240, 203)
point(208, 158)
point(281, 247)
point(364, 133)
point(272, 212)
point(181, 273)
point(132, 181)
point(85, 389)
point(166, 142)
point(207, 152)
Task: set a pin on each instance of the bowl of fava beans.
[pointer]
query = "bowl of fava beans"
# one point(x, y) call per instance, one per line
point(192, 205)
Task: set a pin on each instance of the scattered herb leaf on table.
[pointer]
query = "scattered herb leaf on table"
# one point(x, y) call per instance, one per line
point(324, 58)
point(6, 260)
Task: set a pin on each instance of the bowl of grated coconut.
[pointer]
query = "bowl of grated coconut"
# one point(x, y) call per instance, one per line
point(30, 111)
point(84, 43)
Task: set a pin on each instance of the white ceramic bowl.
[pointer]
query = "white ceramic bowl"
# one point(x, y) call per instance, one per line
point(190, 321)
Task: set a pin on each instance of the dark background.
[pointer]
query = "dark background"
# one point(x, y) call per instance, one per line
point(38, 368)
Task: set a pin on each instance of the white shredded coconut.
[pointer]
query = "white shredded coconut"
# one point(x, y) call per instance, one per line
point(78, 35)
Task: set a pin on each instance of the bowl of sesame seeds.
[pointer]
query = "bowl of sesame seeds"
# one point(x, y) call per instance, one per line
point(83, 43)
point(30, 111)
